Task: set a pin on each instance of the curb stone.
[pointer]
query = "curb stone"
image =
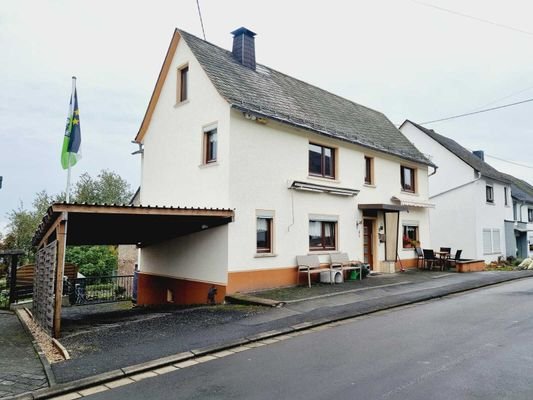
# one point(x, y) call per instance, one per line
point(105, 377)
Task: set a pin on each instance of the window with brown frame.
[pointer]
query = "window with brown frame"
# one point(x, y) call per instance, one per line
point(321, 161)
point(264, 235)
point(407, 176)
point(210, 146)
point(489, 194)
point(410, 236)
point(322, 235)
point(183, 74)
point(369, 163)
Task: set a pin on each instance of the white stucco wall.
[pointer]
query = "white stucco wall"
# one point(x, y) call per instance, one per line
point(201, 256)
point(452, 171)
point(453, 221)
point(462, 211)
point(173, 173)
point(461, 215)
point(265, 159)
point(172, 168)
point(491, 216)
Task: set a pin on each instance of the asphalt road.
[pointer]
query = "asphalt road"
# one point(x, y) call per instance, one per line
point(471, 346)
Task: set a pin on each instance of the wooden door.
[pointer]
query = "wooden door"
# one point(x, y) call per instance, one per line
point(367, 242)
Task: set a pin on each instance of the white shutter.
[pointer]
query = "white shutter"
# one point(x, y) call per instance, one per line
point(487, 241)
point(496, 241)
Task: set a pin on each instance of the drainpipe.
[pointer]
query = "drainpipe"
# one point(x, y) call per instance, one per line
point(434, 171)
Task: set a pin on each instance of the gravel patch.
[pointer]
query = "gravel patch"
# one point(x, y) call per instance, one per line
point(45, 341)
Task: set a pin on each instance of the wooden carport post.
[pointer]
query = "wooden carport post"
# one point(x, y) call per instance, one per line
point(61, 235)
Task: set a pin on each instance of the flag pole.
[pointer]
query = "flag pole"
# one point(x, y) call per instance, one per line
point(70, 154)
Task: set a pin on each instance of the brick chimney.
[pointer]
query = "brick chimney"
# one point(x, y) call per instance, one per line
point(244, 47)
point(479, 154)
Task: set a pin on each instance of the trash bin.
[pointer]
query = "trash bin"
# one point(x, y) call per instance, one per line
point(331, 276)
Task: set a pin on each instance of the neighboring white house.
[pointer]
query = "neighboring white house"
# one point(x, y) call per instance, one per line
point(306, 171)
point(472, 199)
point(519, 230)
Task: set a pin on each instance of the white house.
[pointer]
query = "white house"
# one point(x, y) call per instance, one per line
point(472, 199)
point(304, 170)
point(519, 230)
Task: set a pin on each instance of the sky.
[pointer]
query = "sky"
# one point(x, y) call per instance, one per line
point(421, 60)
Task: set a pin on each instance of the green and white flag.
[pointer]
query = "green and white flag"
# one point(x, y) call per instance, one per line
point(71, 151)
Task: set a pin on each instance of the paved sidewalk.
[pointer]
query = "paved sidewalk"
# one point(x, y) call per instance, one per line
point(105, 346)
point(20, 368)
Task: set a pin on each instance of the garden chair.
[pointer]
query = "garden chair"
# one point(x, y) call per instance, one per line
point(420, 257)
point(452, 262)
point(429, 259)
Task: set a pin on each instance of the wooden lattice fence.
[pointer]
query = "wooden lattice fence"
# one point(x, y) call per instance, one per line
point(43, 287)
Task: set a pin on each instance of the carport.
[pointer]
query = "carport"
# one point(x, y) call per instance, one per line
point(102, 224)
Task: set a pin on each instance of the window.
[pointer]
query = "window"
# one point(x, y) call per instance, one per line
point(183, 84)
point(369, 176)
point(491, 241)
point(321, 161)
point(530, 214)
point(489, 191)
point(264, 235)
point(505, 196)
point(410, 236)
point(407, 179)
point(210, 146)
point(322, 235)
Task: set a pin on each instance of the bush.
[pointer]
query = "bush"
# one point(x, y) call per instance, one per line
point(93, 260)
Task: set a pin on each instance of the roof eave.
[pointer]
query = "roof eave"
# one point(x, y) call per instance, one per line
point(242, 108)
point(158, 86)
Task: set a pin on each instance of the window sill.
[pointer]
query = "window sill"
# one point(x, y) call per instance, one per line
point(410, 193)
point(369, 185)
point(322, 252)
point(207, 165)
point(181, 103)
point(323, 179)
point(265, 255)
point(490, 204)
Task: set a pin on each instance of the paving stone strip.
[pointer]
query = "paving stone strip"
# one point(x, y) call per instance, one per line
point(20, 367)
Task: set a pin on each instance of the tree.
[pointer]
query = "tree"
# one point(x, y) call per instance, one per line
point(107, 187)
point(93, 260)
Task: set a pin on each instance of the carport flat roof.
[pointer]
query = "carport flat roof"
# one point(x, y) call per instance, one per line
point(111, 224)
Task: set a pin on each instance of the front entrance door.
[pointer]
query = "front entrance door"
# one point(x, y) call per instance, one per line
point(367, 242)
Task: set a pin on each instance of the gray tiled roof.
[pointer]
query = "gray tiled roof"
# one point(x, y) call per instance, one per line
point(474, 161)
point(269, 93)
point(521, 190)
